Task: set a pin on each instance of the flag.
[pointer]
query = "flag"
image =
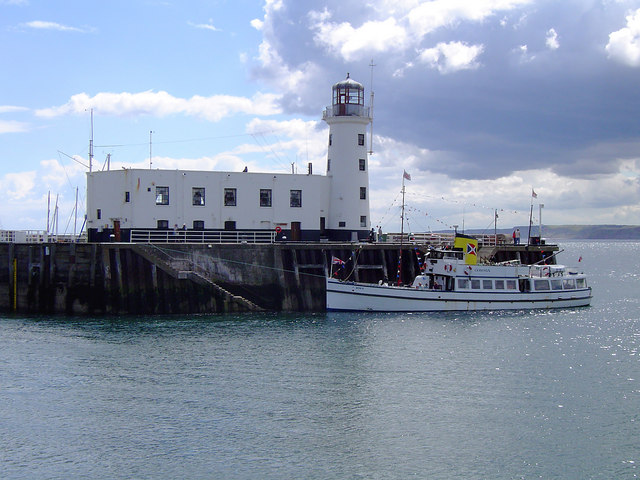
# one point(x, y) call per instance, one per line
point(533, 193)
point(406, 175)
point(469, 246)
point(580, 259)
point(471, 249)
point(337, 261)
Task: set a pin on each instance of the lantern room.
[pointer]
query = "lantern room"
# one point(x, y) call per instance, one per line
point(348, 98)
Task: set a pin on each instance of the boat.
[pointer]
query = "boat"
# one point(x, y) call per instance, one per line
point(452, 279)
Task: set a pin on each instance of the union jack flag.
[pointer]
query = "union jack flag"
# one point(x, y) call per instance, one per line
point(337, 261)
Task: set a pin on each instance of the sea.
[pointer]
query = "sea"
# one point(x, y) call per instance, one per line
point(485, 395)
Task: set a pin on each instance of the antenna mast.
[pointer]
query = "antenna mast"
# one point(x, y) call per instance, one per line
point(91, 144)
point(150, 162)
point(371, 110)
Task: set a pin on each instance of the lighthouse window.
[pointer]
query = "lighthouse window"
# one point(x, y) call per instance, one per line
point(162, 195)
point(265, 197)
point(361, 164)
point(361, 139)
point(363, 193)
point(198, 196)
point(99, 214)
point(295, 198)
point(127, 197)
point(229, 197)
point(363, 220)
point(328, 164)
point(342, 224)
point(330, 139)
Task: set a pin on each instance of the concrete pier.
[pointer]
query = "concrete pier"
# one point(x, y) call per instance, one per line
point(126, 278)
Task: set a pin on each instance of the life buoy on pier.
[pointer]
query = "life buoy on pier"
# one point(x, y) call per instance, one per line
point(278, 229)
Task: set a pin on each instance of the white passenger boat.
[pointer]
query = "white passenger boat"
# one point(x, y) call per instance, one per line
point(452, 280)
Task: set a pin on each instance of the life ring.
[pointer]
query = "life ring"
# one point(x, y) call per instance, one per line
point(278, 229)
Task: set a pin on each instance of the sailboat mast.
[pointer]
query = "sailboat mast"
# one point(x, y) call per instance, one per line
point(401, 235)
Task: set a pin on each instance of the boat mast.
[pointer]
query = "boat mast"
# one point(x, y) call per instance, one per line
point(404, 174)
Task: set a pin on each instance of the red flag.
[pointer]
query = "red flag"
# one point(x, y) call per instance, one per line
point(406, 175)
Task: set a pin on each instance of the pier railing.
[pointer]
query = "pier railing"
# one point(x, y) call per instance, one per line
point(38, 236)
point(201, 236)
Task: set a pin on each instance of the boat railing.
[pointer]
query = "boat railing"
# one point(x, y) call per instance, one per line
point(441, 239)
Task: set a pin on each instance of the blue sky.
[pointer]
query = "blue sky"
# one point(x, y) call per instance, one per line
point(481, 101)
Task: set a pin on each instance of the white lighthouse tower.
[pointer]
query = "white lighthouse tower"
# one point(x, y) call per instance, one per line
point(347, 162)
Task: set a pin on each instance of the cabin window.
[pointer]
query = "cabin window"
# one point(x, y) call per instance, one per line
point(265, 197)
point(540, 285)
point(511, 285)
point(556, 284)
point(163, 224)
point(361, 139)
point(361, 164)
point(499, 284)
point(363, 193)
point(198, 224)
point(363, 220)
point(197, 194)
point(162, 195)
point(229, 197)
point(487, 284)
point(295, 198)
point(582, 282)
point(475, 284)
point(569, 283)
point(463, 283)
point(127, 197)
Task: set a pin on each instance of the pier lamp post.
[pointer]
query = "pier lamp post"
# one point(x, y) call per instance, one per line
point(540, 207)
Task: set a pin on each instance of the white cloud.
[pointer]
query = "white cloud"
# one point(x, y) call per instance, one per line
point(12, 126)
point(552, 39)
point(204, 26)
point(401, 25)
point(161, 104)
point(624, 44)
point(349, 42)
point(42, 25)
point(452, 57)
point(11, 109)
point(17, 186)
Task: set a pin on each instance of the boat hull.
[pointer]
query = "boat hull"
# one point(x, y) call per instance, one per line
point(350, 296)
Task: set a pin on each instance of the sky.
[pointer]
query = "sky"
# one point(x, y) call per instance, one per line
point(482, 102)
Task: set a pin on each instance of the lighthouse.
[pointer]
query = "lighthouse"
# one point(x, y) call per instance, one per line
point(347, 162)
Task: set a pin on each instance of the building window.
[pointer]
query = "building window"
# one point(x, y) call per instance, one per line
point(127, 197)
point(198, 224)
point(361, 139)
point(361, 164)
point(265, 197)
point(342, 224)
point(163, 224)
point(295, 199)
point(330, 139)
point(230, 225)
point(363, 220)
point(162, 195)
point(229, 197)
point(197, 195)
point(99, 213)
point(328, 164)
point(363, 193)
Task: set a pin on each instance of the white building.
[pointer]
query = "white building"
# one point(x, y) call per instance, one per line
point(303, 206)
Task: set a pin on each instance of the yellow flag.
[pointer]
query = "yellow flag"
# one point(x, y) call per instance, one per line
point(469, 246)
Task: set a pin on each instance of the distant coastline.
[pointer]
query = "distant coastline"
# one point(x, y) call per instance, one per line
point(574, 232)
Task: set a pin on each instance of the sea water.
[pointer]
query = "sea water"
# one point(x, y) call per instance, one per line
point(497, 395)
